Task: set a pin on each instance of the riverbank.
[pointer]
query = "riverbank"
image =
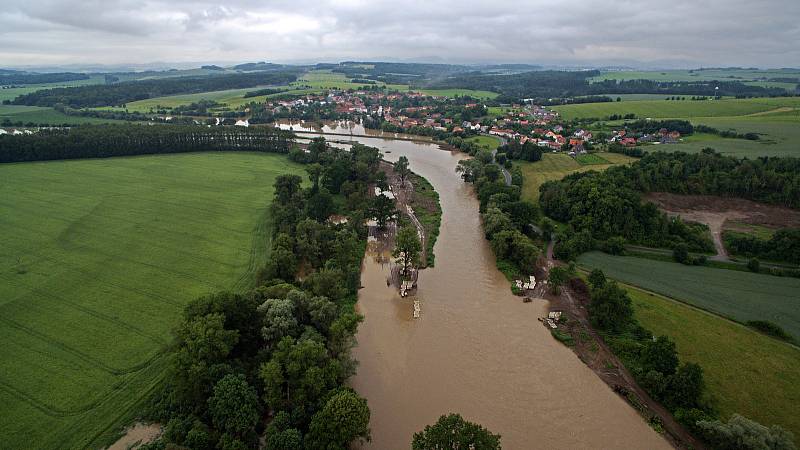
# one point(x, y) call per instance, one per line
point(476, 349)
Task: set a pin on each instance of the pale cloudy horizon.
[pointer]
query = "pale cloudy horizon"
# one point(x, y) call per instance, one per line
point(679, 33)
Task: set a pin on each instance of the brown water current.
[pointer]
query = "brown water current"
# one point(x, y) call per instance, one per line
point(476, 349)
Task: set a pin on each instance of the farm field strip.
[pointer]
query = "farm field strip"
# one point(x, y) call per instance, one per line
point(92, 285)
point(555, 166)
point(738, 295)
point(675, 109)
point(758, 377)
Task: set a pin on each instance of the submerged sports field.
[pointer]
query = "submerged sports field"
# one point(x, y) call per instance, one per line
point(97, 260)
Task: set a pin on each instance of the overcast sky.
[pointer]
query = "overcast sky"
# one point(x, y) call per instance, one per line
point(692, 33)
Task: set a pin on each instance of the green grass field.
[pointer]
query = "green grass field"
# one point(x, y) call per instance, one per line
point(326, 79)
point(746, 372)
point(459, 93)
point(487, 142)
point(741, 296)
point(745, 75)
point(12, 93)
point(40, 115)
point(97, 259)
point(591, 159)
point(678, 109)
point(555, 166)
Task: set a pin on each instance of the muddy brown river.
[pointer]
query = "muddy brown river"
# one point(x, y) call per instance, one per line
point(476, 349)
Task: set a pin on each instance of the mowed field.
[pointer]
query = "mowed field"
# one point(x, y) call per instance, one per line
point(555, 166)
point(745, 372)
point(39, 115)
point(97, 260)
point(679, 108)
point(741, 296)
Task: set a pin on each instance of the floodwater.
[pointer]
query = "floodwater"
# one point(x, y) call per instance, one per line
point(476, 349)
point(341, 127)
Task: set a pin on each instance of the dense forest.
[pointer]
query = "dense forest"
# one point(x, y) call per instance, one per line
point(772, 180)
point(102, 141)
point(545, 85)
point(121, 93)
point(273, 362)
point(783, 246)
point(601, 208)
point(12, 77)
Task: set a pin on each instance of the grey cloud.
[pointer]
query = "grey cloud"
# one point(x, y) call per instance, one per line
point(713, 32)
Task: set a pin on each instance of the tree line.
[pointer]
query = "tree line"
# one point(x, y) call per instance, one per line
point(506, 217)
point(774, 180)
point(543, 86)
point(782, 246)
point(679, 386)
point(273, 362)
point(103, 141)
point(121, 93)
point(604, 212)
point(38, 78)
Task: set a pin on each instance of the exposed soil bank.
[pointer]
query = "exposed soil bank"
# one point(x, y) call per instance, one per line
point(476, 349)
point(137, 435)
point(716, 211)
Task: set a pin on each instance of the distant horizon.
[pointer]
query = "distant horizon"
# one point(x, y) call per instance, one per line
point(184, 65)
point(645, 34)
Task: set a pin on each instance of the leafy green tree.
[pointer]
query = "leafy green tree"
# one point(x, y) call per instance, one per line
point(319, 205)
point(382, 209)
point(234, 405)
point(681, 253)
point(278, 319)
point(314, 173)
point(203, 346)
point(407, 248)
point(343, 419)
point(402, 169)
point(597, 278)
point(280, 435)
point(686, 387)
point(557, 277)
point(741, 433)
point(610, 307)
point(754, 265)
point(453, 432)
point(660, 355)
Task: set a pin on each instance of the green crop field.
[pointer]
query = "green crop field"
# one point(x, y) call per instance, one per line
point(97, 259)
point(12, 93)
point(487, 142)
point(746, 75)
point(779, 135)
point(555, 166)
point(591, 159)
point(39, 115)
point(746, 372)
point(741, 296)
point(459, 93)
point(325, 79)
point(678, 108)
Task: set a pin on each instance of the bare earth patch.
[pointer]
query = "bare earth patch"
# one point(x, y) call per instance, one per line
point(716, 211)
point(137, 435)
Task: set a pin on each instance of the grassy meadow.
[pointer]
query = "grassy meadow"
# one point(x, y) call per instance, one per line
point(745, 372)
point(741, 296)
point(555, 166)
point(487, 142)
point(662, 109)
point(41, 115)
point(97, 259)
point(459, 93)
